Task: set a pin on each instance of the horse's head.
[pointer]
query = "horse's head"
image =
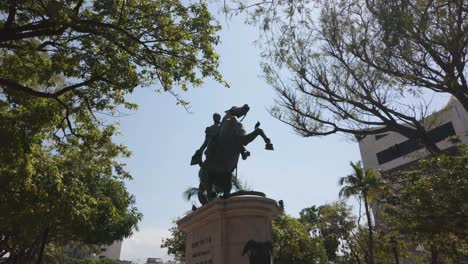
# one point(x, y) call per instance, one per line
point(238, 111)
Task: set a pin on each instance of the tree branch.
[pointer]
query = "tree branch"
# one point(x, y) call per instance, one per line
point(11, 85)
point(11, 17)
point(67, 118)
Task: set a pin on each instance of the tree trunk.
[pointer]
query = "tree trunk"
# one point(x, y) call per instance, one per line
point(354, 254)
point(395, 254)
point(434, 255)
point(463, 99)
point(43, 244)
point(360, 211)
point(371, 235)
point(431, 146)
point(420, 134)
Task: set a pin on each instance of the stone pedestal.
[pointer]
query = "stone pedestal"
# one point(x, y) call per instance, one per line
point(217, 232)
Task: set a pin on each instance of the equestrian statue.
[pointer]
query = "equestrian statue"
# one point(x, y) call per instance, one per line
point(224, 142)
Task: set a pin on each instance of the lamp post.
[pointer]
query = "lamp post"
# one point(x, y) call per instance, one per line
point(393, 242)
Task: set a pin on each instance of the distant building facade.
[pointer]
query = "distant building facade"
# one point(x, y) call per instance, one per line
point(391, 151)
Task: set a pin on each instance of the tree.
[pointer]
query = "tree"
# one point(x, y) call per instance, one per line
point(58, 189)
point(362, 67)
point(386, 244)
point(362, 183)
point(175, 244)
point(309, 216)
point(62, 61)
point(336, 225)
point(103, 50)
point(292, 243)
point(428, 204)
point(419, 43)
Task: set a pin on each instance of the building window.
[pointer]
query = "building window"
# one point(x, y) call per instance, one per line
point(406, 147)
point(379, 136)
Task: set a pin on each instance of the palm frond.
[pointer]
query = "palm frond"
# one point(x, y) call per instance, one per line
point(190, 192)
point(240, 185)
point(342, 180)
point(358, 170)
point(361, 181)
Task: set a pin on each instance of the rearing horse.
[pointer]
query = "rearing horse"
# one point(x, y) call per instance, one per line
point(222, 154)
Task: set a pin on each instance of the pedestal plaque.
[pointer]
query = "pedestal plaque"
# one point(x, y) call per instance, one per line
point(218, 232)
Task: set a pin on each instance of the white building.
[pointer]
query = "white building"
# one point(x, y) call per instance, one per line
point(391, 151)
point(111, 251)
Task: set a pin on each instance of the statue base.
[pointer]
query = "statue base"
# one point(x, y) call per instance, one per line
point(219, 231)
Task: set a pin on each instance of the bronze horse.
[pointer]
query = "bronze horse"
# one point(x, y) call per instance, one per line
point(225, 142)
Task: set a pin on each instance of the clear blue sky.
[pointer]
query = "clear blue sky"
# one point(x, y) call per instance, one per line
point(162, 136)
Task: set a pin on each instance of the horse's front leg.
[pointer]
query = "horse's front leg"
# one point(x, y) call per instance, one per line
point(227, 185)
point(201, 194)
point(205, 189)
point(253, 135)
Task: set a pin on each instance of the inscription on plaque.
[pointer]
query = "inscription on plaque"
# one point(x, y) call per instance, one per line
point(201, 251)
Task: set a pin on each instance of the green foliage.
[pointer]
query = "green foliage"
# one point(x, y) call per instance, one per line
point(387, 249)
point(175, 244)
point(62, 61)
point(365, 184)
point(55, 187)
point(53, 254)
point(309, 216)
point(293, 244)
point(428, 204)
point(104, 49)
point(336, 224)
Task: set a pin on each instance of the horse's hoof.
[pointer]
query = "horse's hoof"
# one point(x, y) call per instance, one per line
point(269, 146)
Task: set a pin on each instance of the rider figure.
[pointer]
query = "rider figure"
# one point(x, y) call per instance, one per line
point(224, 141)
point(211, 133)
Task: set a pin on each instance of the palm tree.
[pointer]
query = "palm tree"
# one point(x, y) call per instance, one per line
point(362, 183)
